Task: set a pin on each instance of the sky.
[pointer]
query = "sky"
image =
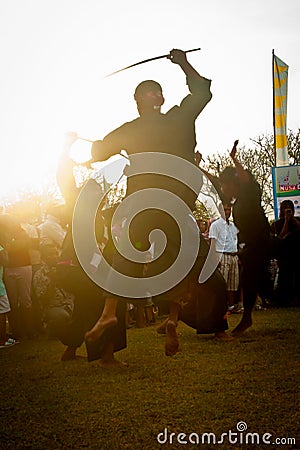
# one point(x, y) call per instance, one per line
point(55, 56)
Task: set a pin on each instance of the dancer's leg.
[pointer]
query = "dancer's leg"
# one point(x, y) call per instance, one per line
point(107, 319)
point(108, 360)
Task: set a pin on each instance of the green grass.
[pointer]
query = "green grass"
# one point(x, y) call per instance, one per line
point(209, 386)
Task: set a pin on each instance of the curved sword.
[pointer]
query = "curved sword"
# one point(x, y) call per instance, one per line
point(148, 60)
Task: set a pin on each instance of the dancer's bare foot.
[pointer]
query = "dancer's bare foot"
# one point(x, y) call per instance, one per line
point(172, 344)
point(98, 329)
point(114, 363)
point(244, 324)
point(223, 336)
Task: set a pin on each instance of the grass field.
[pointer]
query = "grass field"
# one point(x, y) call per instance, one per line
point(208, 387)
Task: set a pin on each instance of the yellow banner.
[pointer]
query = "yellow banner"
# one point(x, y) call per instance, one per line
point(280, 89)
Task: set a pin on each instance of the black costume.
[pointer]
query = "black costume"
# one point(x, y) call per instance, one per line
point(172, 133)
point(286, 251)
point(254, 233)
point(88, 306)
point(88, 296)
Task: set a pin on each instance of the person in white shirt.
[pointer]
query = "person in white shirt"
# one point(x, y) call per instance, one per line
point(223, 236)
point(51, 231)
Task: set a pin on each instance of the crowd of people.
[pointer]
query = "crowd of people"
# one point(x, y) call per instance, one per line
point(43, 287)
point(22, 247)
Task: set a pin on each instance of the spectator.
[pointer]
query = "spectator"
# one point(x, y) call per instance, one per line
point(203, 227)
point(29, 220)
point(56, 304)
point(223, 236)
point(286, 231)
point(51, 229)
point(4, 302)
point(18, 278)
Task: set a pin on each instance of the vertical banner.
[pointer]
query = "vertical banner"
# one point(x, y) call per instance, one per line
point(286, 186)
point(280, 90)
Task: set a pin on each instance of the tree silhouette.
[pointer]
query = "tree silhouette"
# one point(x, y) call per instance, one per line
point(259, 160)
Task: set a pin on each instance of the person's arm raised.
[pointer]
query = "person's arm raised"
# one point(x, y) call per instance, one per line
point(64, 173)
point(179, 57)
point(198, 85)
point(242, 174)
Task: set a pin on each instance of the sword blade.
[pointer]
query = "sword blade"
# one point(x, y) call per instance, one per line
point(148, 60)
point(84, 139)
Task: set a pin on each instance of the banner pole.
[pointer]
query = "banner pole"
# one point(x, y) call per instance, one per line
point(274, 127)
